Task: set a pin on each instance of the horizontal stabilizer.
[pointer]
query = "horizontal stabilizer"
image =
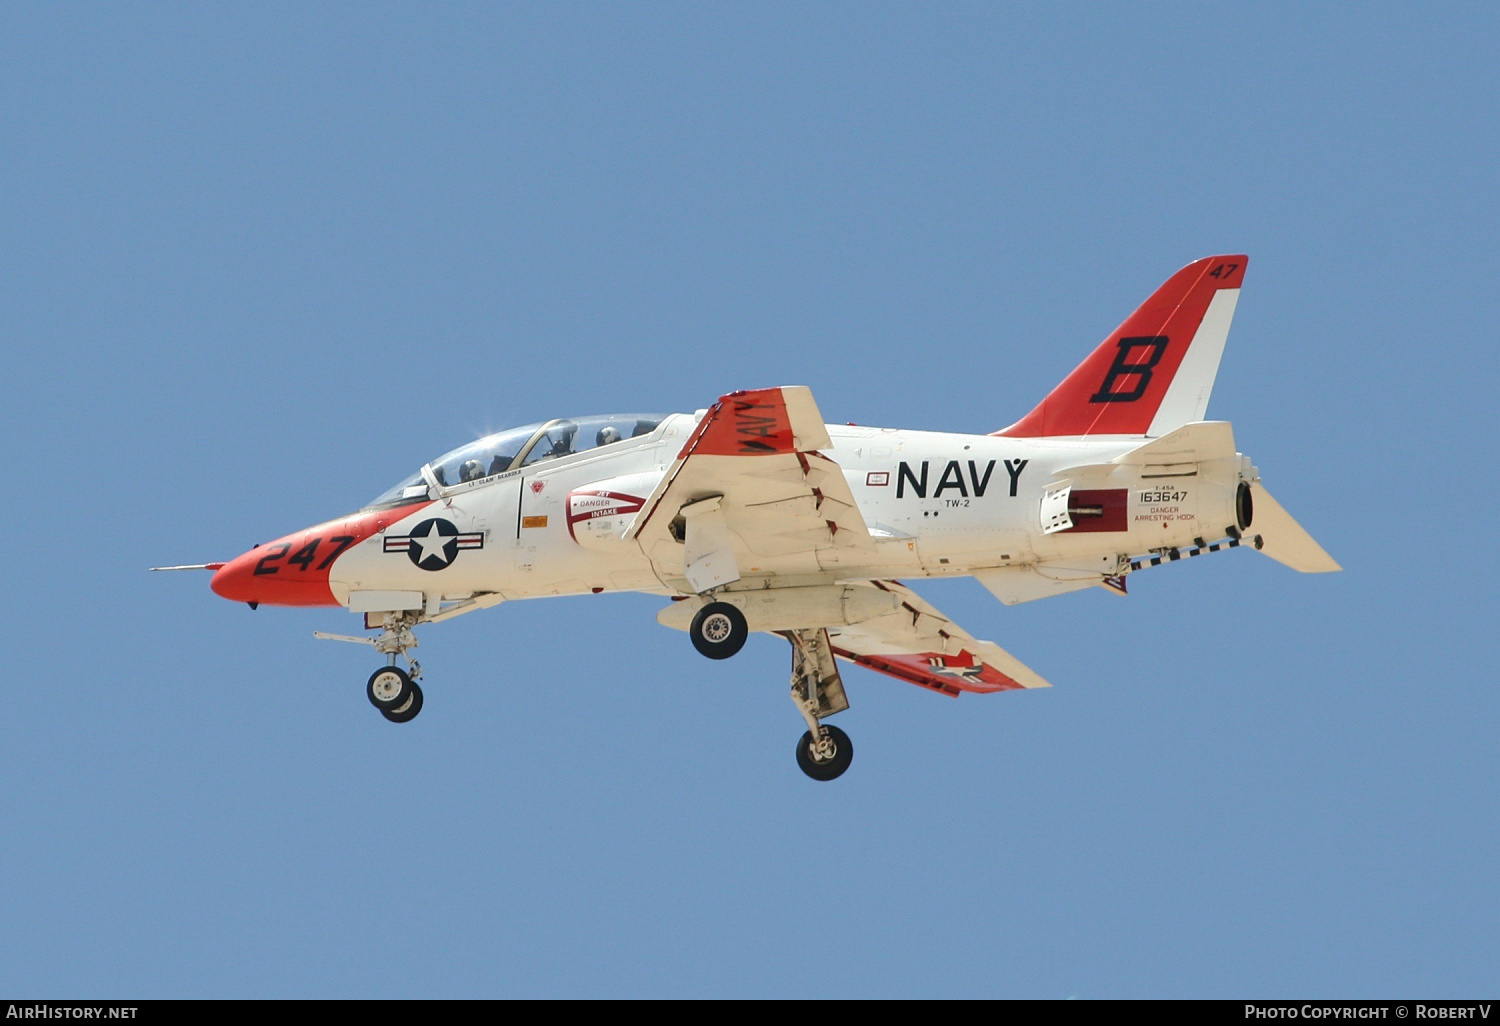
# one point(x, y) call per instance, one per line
point(1284, 540)
point(1192, 443)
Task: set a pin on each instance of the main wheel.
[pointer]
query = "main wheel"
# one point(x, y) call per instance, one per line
point(719, 630)
point(408, 709)
point(388, 688)
point(825, 764)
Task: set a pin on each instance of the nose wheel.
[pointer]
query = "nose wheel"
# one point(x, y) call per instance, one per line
point(395, 694)
point(390, 689)
point(388, 686)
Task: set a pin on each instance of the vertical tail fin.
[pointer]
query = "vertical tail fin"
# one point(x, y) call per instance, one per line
point(1155, 372)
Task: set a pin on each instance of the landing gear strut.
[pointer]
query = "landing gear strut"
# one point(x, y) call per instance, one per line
point(392, 690)
point(823, 752)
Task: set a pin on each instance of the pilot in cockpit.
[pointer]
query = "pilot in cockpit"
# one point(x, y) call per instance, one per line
point(562, 444)
point(472, 470)
point(608, 435)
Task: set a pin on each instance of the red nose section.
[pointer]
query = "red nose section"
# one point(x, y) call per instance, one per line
point(264, 575)
point(293, 571)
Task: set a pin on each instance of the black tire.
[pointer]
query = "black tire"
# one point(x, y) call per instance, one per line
point(719, 630)
point(408, 710)
point(843, 755)
point(380, 691)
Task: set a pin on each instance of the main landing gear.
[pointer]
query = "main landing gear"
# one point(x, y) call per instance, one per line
point(719, 631)
point(828, 756)
point(823, 752)
point(392, 690)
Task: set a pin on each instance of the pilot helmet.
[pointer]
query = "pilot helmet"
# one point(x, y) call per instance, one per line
point(472, 470)
point(608, 435)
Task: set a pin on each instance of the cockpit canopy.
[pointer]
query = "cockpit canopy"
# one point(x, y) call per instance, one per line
point(520, 447)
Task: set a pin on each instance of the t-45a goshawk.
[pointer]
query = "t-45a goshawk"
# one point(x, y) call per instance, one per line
point(755, 515)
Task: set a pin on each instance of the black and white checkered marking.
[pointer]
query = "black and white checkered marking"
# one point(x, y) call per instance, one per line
point(1196, 550)
point(434, 544)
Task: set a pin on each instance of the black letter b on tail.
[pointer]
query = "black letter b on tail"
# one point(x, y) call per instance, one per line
point(1124, 367)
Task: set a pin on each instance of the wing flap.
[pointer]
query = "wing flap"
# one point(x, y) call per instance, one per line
point(920, 645)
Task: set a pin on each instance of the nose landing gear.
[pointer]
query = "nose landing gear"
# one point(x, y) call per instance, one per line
point(392, 690)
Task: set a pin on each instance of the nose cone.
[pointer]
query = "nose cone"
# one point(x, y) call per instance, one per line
point(284, 573)
point(293, 571)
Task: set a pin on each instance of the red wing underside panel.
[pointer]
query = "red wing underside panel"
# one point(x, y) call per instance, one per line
point(943, 673)
point(918, 644)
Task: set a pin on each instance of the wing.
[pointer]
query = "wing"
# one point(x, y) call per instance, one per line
point(922, 646)
point(748, 488)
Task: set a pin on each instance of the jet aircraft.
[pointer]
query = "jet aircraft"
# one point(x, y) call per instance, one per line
point(755, 515)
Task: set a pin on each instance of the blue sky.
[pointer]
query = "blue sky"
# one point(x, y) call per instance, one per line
point(259, 263)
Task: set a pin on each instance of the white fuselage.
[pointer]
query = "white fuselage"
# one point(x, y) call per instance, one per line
point(937, 504)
